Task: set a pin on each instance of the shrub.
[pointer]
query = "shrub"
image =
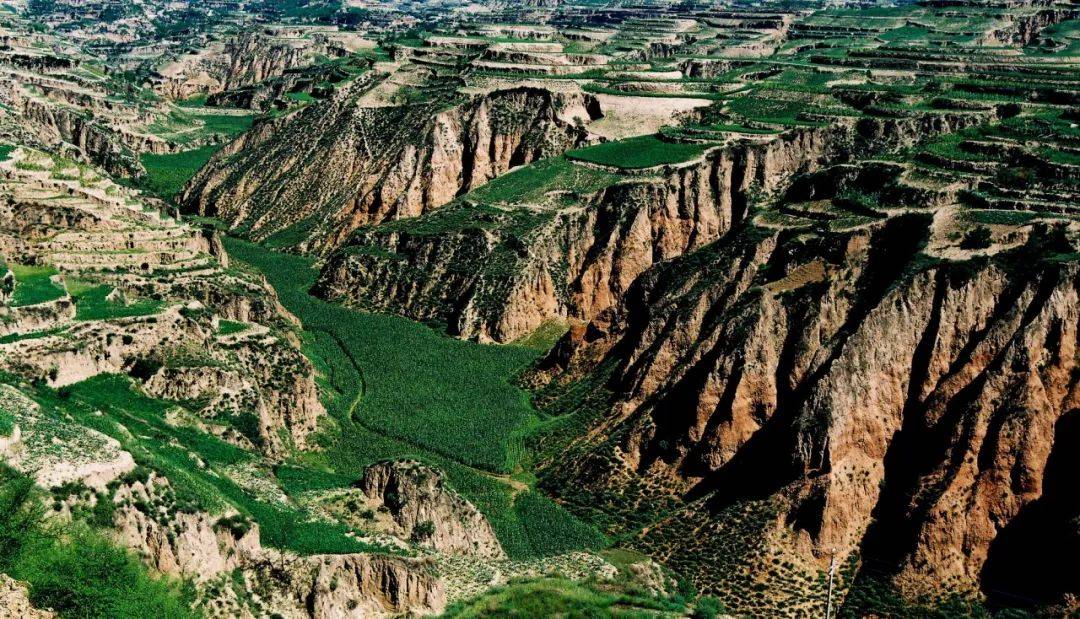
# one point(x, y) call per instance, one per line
point(978, 237)
point(707, 608)
point(238, 525)
point(7, 423)
point(74, 571)
point(423, 531)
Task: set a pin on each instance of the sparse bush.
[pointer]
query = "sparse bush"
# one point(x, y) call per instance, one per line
point(238, 525)
point(423, 531)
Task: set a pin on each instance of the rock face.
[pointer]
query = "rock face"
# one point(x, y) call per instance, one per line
point(911, 414)
point(177, 542)
point(240, 61)
point(371, 164)
point(15, 601)
point(427, 511)
point(1025, 29)
point(490, 281)
point(331, 586)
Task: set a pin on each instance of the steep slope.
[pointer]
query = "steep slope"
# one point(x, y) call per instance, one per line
point(239, 61)
point(371, 164)
point(496, 270)
point(806, 397)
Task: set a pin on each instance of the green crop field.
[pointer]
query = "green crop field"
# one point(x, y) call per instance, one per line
point(91, 304)
point(167, 174)
point(400, 390)
point(34, 284)
point(452, 397)
point(227, 125)
point(187, 125)
point(533, 182)
point(765, 109)
point(640, 152)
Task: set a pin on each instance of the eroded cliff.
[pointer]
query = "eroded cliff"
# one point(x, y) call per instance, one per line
point(497, 272)
point(847, 395)
point(372, 164)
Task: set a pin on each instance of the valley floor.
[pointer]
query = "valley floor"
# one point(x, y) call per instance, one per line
point(399, 389)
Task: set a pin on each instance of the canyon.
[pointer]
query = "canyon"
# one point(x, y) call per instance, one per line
point(337, 309)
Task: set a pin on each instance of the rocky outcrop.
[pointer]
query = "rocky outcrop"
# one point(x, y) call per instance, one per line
point(427, 511)
point(174, 541)
point(1025, 29)
point(331, 586)
point(372, 164)
point(114, 148)
point(496, 276)
point(195, 545)
point(15, 601)
point(240, 61)
point(907, 414)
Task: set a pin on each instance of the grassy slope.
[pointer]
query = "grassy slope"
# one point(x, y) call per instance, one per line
point(533, 182)
point(402, 390)
point(76, 571)
point(189, 458)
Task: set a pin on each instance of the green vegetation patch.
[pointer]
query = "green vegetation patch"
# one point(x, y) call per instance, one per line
point(769, 110)
point(166, 175)
point(295, 480)
point(551, 529)
point(641, 152)
point(301, 97)
point(91, 303)
point(34, 284)
point(449, 396)
point(187, 125)
point(7, 422)
point(398, 389)
point(193, 461)
point(558, 597)
point(231, 327)
point(534, 182)
point(73, 570)
point(31, 335)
